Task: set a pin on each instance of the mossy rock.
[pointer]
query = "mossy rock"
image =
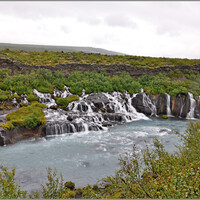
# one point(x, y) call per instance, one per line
point(164, 116)
point(70, 185)
point(79, 193)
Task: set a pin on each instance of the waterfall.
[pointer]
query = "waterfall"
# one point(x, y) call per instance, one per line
point(169, 113)
point(14, 101)
point(83, 92)
point(62, 94)
point(45, 98)
point(190, 114)
point(24, 100)
point(147, 103)
point(92, 112)
point(124, 106)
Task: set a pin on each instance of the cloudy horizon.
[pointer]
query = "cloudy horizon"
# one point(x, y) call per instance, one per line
point(160, 29)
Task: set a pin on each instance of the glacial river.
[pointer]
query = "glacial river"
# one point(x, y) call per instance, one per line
point(86, 157)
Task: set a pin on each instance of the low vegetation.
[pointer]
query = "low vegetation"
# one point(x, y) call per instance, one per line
point(54, 58)
point(28, 116)
point(63, 102)
point(152, 174)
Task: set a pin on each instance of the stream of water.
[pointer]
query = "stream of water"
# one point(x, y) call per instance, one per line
point(85, 157)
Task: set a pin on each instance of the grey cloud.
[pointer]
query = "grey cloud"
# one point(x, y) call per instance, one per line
point(91, 20)
point(168, 28)
point(105, 38)
point(120, 20)
point(64, 28)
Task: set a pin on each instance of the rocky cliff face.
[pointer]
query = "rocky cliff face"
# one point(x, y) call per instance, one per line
point(95, 112)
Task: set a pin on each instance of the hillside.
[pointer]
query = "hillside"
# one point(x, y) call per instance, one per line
point(55, 58)
point(31, 47)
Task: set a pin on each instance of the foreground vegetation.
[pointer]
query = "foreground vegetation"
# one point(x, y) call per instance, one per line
point(55, 58)
point(153, 174)
point(45, 81)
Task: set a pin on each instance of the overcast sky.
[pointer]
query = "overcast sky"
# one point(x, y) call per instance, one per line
point(164, 29)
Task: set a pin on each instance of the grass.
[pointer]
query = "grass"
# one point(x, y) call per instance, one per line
point(54, 58)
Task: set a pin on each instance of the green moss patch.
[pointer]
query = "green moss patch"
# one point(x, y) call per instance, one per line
point(63, 102)
point(29, 117)
point(164, 116)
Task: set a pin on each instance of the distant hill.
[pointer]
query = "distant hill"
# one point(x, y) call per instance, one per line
point(31, 47)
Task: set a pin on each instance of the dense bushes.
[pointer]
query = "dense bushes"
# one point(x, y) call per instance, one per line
point(63, 102)
point(28, 116)
point(45, 81)
point(159, 84)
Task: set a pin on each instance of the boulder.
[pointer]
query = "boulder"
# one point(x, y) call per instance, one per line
point(98, 99)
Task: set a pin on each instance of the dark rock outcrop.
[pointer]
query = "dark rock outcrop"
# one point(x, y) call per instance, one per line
point(143, 104)
point(177, 105)
point(185, 107)
point(98, 99)
point(17, 134)
point(161, 104)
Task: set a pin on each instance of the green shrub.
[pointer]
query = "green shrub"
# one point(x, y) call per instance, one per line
point(63, 102)
point(32, 98)
point(54, 188)
point(8, 187)
point(30, 121)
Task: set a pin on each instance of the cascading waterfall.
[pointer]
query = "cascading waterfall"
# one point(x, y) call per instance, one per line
point(97, 111)
point(90, 113)
point(169, 113)
point(124, 106)
point(24, 100)
point(45, 98)
point(147, 103)
point(62, 94)
point(190, 114)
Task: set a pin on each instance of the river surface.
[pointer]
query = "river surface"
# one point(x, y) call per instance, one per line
point(86, 157)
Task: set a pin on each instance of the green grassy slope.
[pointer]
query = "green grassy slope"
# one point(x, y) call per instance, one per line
point(53, 58)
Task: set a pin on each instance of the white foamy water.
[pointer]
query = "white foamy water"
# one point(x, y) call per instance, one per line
point(85, 157)
point(190, 114)
point(169, 113)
